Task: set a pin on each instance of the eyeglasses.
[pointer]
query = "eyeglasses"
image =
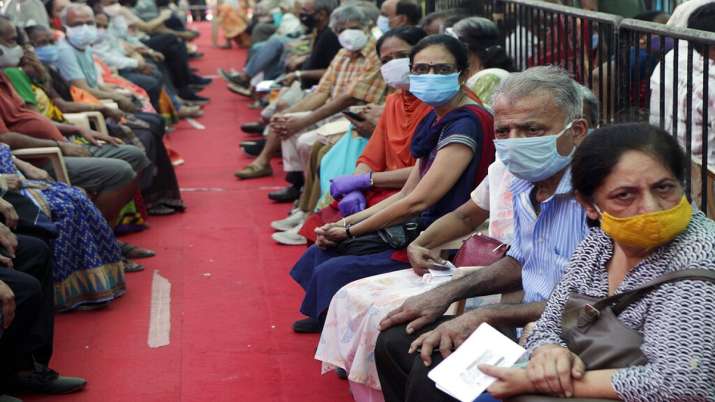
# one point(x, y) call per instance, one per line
point(441, 68)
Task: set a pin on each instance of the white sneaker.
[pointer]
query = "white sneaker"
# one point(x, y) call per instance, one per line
point(290, 237)
point(295, 219)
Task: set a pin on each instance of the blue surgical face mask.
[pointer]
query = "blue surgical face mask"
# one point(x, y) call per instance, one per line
point(82, 36)
point(383, 23)
point(434, 89)
point(535, 158)
point(47, 54)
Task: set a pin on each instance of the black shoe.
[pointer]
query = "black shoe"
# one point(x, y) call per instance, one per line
point(308, 326)
point(253, 148)
point(189, 95)
point(287, 194)
point(196, 87)
point(199, 80)
point(253, 127)
point(43, 380)
point(341, 373)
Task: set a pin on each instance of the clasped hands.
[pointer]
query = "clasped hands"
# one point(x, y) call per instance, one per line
point(286, 125)
point(552, 369)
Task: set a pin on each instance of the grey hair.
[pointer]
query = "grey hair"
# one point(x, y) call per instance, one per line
point(370, 10)
point(76, 8)
point(475, 26)
point(551, 79)
point(594, 106)
point(349, 13)
point(327, 5)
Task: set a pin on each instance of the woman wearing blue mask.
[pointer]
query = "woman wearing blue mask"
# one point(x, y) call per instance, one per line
point(453, 148)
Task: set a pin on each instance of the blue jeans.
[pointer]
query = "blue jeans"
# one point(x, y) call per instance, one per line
point(267, 57)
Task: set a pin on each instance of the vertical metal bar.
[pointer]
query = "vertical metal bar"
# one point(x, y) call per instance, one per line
point(539, 37)
point(529, 24)
point(602, 71)
point(674, 95)
point(661, 101)
point(572, 49)
point(689, 120)
point(550, 35)
point(704, 135)
point(636, 76)
point(611, 82)
point(533, 36)
point(648, 70)
point(589, 52)
point(520, 34)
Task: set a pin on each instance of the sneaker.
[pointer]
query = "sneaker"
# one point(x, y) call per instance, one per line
point(290, 237)
point(295, 219)
point(43, 380)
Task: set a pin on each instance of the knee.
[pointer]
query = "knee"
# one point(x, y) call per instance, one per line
point(391, 341)
point(135, 159)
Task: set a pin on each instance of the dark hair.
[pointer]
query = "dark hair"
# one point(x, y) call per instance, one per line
point(453, 46)
point(650, 16)
point(703, 18)
point(435, 15)
point(601, 151)
point(411, 35)
point(481, 36)
point(35, 28)
point(409, 9)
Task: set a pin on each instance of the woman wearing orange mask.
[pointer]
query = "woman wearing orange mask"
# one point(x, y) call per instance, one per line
point(629, 178)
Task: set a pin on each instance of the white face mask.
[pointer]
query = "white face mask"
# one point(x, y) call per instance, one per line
point(383, 23)
point(102, 35)
point(396, 73)
point(10, 56)
point(352, 39)
point(82, 36)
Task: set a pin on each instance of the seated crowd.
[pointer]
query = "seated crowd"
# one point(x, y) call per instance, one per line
point(88, 92)
point(399, 135)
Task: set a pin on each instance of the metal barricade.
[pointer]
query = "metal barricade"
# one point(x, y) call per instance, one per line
point(663, 77)
point(538, 33)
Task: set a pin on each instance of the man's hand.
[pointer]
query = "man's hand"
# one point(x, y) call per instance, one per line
point(448, 336)
point(552, 369)
point(9, 241)
point(94, 137)
point(364, 128)
point(125, 103)
point(510, 381)
point(11, 218)
point(288, 79)
point(418, 311)
point(7, 298)
point(421, 259)
point(70, 149)
point(287, 126)
point(111, 112)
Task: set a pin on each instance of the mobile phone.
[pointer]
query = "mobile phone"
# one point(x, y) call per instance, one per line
point(353, 115)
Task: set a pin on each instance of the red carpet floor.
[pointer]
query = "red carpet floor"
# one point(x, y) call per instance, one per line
point(232, 301)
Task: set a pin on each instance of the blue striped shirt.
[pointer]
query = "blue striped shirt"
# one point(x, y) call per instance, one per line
point(543, 244)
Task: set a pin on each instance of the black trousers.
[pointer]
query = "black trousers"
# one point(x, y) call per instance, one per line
point(403, 376)
point(176, 57)
point(31, 333)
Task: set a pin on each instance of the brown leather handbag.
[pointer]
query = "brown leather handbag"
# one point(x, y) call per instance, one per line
point(592, 330)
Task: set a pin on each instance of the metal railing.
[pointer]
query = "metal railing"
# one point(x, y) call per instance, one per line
point(640, 71)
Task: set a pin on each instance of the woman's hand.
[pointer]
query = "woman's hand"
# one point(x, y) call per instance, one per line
point(421, 258)
point(336, 234)
point(322, 241)
point(35, 173)
point(510, 381)
point(11, 182)
point(352, 203)
point(8, 211)
point(552, 369)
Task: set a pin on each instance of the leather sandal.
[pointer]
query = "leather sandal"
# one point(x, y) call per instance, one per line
point(253, 172)
point(132, 251)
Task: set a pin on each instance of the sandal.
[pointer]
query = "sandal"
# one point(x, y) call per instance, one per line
point(132, 251)
point(253, 172)
point(131, 266)
point(237, 89)
point(176, 205)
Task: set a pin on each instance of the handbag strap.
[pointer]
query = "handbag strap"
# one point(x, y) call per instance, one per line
point(621, 301)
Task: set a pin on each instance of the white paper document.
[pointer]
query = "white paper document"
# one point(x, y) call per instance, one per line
point(459, 375)
point(265, 86)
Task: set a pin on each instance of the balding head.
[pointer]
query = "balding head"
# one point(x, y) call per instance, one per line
point(77, 14)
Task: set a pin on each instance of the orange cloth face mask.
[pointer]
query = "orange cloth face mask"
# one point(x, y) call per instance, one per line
point(648, 230)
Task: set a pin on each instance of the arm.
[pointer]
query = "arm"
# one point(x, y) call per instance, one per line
point(460, 222)
point(335, 105)
point(391, 178)
point(310, 102)
point(124, 102)
point(442, 175)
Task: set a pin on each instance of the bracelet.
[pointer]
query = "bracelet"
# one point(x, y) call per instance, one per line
point(298, 75)
point(345, 222)
point(347, 231)
point(372, 183)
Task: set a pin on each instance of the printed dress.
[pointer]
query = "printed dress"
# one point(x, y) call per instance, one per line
point(88, 265)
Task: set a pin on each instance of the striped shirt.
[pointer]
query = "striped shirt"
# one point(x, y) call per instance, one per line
point(356, 74)
point(544, 243)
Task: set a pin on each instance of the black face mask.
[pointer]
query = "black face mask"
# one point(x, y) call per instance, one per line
point(308, 20)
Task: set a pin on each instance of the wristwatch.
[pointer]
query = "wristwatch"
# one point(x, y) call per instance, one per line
point(347, 231)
